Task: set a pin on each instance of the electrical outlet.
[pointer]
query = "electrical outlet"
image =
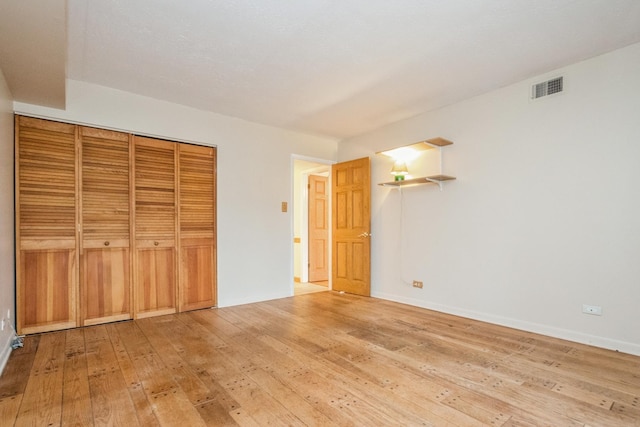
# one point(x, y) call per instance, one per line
point(595, 310)
point(417, 284)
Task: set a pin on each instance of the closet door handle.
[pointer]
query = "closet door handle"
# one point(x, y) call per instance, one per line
point(156, 243)
point(106, 243)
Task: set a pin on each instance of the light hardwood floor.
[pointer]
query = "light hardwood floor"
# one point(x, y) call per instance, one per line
point(318, 359)
point(308, 288)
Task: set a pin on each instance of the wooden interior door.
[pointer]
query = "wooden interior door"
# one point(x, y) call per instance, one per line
point(197, 212)
point(318, 229)
point(155, 227)
point(46, 237)
point(351, 219)
point(105, 282)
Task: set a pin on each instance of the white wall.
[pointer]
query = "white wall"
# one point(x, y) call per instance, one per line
point(254, 178)
point(543, 218)
point(7, 264)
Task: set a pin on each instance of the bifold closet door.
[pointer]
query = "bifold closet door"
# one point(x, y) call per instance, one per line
point(155, 226)
point(197, 195)
point(46, 238)
point(105, 260)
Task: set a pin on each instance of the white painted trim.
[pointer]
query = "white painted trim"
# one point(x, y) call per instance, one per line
point(304, 226)
point(5, 352)
point(252, 299)
point(551, 331)
point(304, 229)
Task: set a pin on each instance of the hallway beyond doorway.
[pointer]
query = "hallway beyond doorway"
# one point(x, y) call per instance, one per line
point(309, 288)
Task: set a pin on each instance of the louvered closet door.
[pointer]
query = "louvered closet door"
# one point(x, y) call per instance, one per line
point(105, 252)
point(46, 221)
point(197, 171)
point(155, 227)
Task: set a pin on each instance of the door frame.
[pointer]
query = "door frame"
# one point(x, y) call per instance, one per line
point(304, 229)
point(304, 226)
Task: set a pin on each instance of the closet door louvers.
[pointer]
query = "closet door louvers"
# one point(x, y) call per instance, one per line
point(46, 218)
point(105, 205)
point(197, 226)
point(155, 226)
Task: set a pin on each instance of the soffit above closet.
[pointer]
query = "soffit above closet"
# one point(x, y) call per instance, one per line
point(33, 50)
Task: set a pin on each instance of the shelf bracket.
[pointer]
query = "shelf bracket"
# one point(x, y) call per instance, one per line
point(435, 181)
point(439, 182)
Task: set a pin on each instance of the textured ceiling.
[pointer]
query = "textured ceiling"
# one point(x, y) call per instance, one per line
point(334, 67)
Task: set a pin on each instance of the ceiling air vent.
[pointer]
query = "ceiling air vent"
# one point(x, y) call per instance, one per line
point(546, 88)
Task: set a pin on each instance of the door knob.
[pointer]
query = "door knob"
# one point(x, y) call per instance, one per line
point(365, 234)
point(156, 243)
point(106, 243)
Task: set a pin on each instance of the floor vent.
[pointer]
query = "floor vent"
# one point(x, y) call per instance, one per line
point(547, 88)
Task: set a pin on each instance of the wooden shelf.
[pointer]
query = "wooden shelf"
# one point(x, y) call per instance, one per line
point(427, 144)
point(415, 149)
point(434, 179)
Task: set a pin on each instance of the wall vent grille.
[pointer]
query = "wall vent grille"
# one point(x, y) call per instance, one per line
point(547, 88)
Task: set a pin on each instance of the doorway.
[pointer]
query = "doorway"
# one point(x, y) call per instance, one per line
point(311, 226)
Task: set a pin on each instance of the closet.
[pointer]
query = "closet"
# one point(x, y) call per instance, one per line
point(110, 226)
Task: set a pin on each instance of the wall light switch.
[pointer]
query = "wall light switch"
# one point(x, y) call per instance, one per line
point(284, 206)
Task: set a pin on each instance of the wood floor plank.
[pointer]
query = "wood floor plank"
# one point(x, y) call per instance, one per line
point(142, 406)
point(9, 407)
point(232, 373)
point(285, 396)
point(214, 413)
point(314, 360)
point(14, 381)
point(111, 402)
point(188, 381)
point(38, 407)
point(170, 402)
point(76, 397)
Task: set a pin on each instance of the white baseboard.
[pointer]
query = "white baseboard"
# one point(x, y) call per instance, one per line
point(579, 337)
point(250, 300)
point(5, 351)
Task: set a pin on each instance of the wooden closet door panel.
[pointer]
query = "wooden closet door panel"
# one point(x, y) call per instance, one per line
point(105, 206)
point(106, 285)
point(197, 195)
point(197, 274)
point(155, 284)
point(47, 284)
point(155, 226)
point(46, 237)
